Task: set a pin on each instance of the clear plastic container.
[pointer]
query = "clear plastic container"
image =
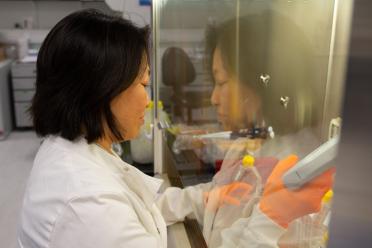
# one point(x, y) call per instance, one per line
point(142, 147)
point(312, 230)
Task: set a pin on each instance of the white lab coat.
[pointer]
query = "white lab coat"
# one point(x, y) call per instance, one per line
point(254, 231)
point(78, 195)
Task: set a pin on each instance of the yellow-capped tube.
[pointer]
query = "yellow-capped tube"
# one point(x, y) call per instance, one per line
point(327, 197)
point(248, 161)
point(324, 214)
point(247, 164)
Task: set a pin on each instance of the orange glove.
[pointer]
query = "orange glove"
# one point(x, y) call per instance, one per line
point(230, 194)
point(283, 205)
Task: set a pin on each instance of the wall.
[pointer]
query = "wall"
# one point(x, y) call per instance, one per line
point(43, 15)
point(131, 9)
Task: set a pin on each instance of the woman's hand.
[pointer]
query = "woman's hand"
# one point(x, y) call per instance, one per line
point(283, 205)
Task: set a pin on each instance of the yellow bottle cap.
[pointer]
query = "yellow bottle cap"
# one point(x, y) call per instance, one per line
point(248, 161)
point(160, 104)
point(328, 196)
point(151, 105)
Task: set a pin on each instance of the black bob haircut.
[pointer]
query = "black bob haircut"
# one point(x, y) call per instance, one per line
point(86, 60)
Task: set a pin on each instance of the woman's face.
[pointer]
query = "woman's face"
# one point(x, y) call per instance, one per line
point(236, 104)
point(129, 107)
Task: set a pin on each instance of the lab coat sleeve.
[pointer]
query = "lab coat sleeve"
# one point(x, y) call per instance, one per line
point(107, 220)
point(175, 203)
point(256, 231)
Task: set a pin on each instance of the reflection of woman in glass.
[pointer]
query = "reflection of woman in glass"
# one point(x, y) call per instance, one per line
point(241, 51)
point(232, 99)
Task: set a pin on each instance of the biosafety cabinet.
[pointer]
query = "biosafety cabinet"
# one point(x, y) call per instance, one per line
point(241, 85)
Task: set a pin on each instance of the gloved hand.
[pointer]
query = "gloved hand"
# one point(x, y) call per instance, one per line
point(283, 205)
point(230, 194)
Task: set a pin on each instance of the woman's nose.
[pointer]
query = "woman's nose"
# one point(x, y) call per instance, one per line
point(215, 98)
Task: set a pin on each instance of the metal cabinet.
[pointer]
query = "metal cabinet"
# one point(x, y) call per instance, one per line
point(23, 82)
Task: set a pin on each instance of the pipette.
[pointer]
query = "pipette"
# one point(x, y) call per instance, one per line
point(256, 132)
point(313, 165)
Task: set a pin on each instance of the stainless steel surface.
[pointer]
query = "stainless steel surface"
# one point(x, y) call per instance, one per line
point(158, 133)
point(337, 70)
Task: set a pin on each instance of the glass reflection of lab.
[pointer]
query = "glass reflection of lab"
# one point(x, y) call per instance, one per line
point(248, 90)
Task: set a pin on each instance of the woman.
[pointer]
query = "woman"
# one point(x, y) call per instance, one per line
point(92, 70)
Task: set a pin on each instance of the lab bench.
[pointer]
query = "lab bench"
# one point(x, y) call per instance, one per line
point(186, 169)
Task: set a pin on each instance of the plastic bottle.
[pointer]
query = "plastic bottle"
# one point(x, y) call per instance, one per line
point(148, 121)
point(313, 228)
point(324, 242)
point(323, 218)
point(248, 165)
point(142, 147)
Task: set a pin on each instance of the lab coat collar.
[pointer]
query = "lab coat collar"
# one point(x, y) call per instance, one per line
point(146, 187)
